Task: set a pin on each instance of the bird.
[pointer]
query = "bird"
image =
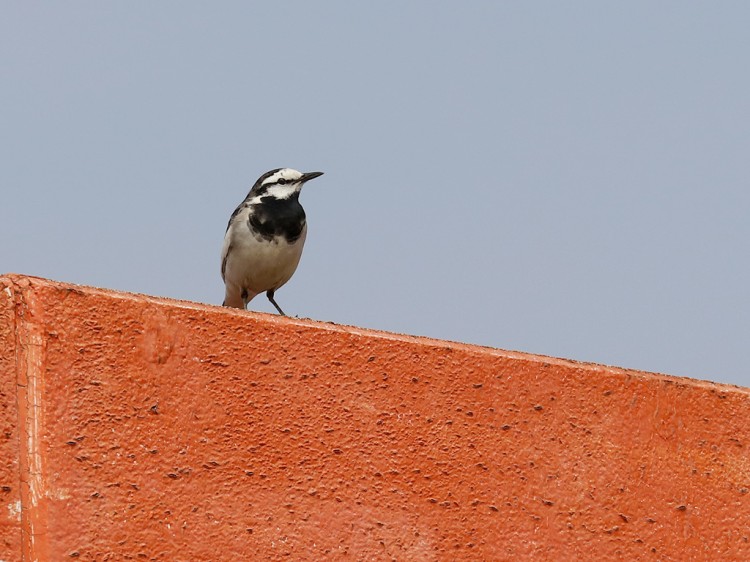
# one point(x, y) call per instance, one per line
point(264, 238)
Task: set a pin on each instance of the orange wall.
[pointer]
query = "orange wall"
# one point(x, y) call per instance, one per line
point(150, 429)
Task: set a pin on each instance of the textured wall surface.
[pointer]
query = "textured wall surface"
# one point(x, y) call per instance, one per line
point(148, 429)
point(10, 483)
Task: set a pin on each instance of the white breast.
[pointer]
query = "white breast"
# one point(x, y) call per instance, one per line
point(258, 265)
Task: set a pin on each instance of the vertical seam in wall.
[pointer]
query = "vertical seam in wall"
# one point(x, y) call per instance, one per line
point(30, 367)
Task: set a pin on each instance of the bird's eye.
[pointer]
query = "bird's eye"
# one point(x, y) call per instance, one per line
point(282, 181)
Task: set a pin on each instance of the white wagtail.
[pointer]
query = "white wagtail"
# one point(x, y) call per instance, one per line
point(264, 238)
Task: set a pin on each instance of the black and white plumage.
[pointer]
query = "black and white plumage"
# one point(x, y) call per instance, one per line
point(264, 238)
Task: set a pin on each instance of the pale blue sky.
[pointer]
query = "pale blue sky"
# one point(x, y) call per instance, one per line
point(570, 179)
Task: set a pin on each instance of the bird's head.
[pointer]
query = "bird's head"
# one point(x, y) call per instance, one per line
point(281, 183)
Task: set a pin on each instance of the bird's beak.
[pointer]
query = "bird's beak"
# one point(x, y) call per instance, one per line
point(310, 176)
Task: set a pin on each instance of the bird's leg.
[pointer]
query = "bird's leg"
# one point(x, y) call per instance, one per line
point(269, 294)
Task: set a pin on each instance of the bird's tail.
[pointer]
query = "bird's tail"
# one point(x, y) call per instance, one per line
point(233, 299)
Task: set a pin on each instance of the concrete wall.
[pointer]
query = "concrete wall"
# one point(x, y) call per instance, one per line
point(137, 428)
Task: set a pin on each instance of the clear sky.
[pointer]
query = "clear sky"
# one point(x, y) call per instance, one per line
point(570, 179)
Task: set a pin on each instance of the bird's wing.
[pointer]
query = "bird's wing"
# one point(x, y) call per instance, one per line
point(228, 235)
point(234, 214)
point(224, 254)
